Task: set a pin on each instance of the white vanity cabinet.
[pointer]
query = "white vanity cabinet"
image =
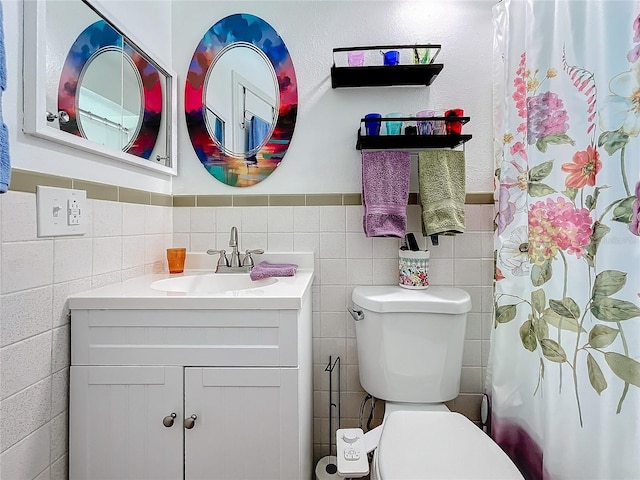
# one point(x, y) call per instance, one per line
point(190, 393)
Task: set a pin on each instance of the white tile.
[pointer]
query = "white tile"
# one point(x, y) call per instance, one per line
point(474, 327)
point(60, 468)
point(476, 298)
point(332, 245)
point(468, 245)
point(107, 255)
point(133, 219)
point(280, 219)
point(25, 412)
point(154, 219)
point(359, 246)
point(182, 219)
point(307, 242)
point(253, 241)
point(280, 242)
point(60, 293)
point(154, 249)
point(354, 219)
point(254, 220)
point(201, 242)
point(202, 219)
point(61, 348)
point(306, 219)
point(182, 240)
point(385, 271)
point(472, 353)
point(167, 215)
point(88, 217)
point(72, 258)
point(359, 271)
point(471, 380)
point(44, 475)
point(333, 272)
point(479, 218)
point(18, 216)
point(467, 272)
point(332, 298)
point(333, 219)
point(60, 391)
point(24, 363)
point(132, 273)
point(109, 278)
point(440, 271)
point(25, 314)
point(336, 347)
point(487, 271)
point(227, 217)
point(26, 265)
point(487, 244)
point(486, 350)
point(59, 435)
point(28, 458)
point(384, 247)
point(133, 248)
point(333, 324)
point(107, 218)
point(444, 249)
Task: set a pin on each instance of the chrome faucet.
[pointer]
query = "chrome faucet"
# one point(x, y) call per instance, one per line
point(234, 264)
point(233, 243)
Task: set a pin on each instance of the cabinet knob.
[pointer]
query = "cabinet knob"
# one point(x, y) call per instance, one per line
point(168, 420)
point(190, 422)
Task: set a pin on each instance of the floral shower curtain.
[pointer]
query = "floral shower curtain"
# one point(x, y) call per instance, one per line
point(564, 369)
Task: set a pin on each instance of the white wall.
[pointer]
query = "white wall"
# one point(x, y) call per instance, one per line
point(150, 28)
point(322, 157)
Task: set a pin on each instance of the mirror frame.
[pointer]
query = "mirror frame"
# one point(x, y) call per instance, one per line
point(34, 95)
point(226, 32)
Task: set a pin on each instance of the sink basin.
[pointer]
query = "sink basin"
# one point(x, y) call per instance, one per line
point(211, 283)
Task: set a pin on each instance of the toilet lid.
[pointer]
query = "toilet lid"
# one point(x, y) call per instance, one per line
point(439, 445)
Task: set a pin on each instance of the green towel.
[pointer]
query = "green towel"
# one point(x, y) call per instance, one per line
point(441, 178)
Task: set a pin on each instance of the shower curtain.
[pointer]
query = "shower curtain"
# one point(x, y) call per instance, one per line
point(564, 369)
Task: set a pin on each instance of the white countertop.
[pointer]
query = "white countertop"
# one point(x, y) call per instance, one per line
point(136, 294)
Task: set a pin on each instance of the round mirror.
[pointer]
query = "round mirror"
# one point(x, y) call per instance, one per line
point(108, 112)
point(241, 100)
point(109, 93)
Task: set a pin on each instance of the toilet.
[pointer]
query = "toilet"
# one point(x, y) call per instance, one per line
point(410, 346)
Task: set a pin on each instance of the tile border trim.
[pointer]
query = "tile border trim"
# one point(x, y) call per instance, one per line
point(26, 181)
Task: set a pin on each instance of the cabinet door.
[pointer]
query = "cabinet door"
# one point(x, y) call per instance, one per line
point(246, 426)
point(116, 428)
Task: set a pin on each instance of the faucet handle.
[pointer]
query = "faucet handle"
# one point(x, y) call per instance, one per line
point(247, 261)
point(223, 261)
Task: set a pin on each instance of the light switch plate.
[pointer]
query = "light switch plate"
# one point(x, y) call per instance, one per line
point(60, 211)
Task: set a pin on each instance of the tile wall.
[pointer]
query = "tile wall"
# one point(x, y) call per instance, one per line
point(128, 232)
point(124, 240)
point(344, 258)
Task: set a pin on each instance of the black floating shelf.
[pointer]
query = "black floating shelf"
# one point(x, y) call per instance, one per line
point(384, 75)
point(406, 142)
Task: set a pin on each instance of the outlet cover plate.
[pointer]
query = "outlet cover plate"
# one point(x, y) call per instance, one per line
point(54, 217)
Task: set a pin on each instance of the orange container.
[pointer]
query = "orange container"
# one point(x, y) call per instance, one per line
point(175, 259)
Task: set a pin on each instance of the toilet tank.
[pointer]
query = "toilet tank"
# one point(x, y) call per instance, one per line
point(410, 342)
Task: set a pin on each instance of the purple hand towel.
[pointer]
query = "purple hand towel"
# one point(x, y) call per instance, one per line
point(385, 192)
point(265, 270)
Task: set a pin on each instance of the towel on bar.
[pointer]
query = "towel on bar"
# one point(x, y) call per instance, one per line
point(441, 180)
point(385, 192)
point(266, 269)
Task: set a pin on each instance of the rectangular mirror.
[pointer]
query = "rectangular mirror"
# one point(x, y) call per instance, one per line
point(88, 85)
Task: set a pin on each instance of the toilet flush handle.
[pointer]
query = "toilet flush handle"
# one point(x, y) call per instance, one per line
point(356, 314)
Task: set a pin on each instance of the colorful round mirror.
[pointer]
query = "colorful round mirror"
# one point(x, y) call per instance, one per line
point(241, 100)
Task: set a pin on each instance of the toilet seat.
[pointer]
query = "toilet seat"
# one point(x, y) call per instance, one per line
point(419, 445)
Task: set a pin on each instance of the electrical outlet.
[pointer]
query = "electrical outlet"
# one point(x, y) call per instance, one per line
point(60, 211)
